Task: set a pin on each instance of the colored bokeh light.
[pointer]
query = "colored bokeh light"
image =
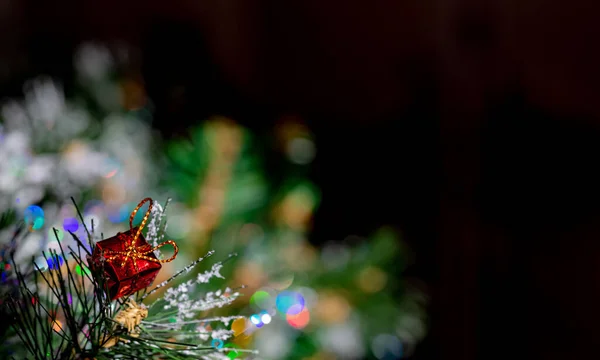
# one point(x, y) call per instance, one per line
point(289, 302)
point(55, 262)
point(238, 326)
point(86, 331)
point(299, 321)
point(57, 326)
point(265, 318)
point(34, 217)
point(255, 319)
point(81, 270)
point(4, 270)
point(70, 224)
point(111, 173)
point(233, 353)
point(260, 299)
point(295, 309)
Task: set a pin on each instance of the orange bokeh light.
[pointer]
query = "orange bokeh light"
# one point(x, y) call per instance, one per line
point(111, 174)
point(299, 320)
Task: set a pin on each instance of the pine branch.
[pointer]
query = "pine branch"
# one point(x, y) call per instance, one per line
point(42, 296)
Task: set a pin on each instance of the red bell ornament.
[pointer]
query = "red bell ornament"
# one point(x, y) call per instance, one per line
point(127, 260)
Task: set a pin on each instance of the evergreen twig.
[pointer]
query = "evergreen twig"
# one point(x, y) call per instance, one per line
point(43, 295)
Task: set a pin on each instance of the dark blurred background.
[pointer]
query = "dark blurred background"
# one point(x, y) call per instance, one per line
point(472, 125)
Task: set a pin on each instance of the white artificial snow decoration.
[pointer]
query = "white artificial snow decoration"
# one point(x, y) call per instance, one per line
point(185, 304)
point(221, 334)
point(178, 297)
point(187, 308)
point(52, 147)
point(152, 236)
point(227, 319)
point(57, 149)
point(205, 277)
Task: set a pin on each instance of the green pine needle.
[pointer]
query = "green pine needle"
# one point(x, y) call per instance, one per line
point(57, 314)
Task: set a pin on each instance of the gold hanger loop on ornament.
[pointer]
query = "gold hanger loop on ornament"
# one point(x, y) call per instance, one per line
point(139, 252)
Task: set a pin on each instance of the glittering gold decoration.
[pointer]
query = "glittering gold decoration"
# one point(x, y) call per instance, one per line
point(138, 252)
point(132, 316)
point(110, 341)
point(129, 318)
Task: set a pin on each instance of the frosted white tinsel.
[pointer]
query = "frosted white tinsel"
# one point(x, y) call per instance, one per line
point(154, 235)
point(181, 307)
point(178, 297)
point(53, 148)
